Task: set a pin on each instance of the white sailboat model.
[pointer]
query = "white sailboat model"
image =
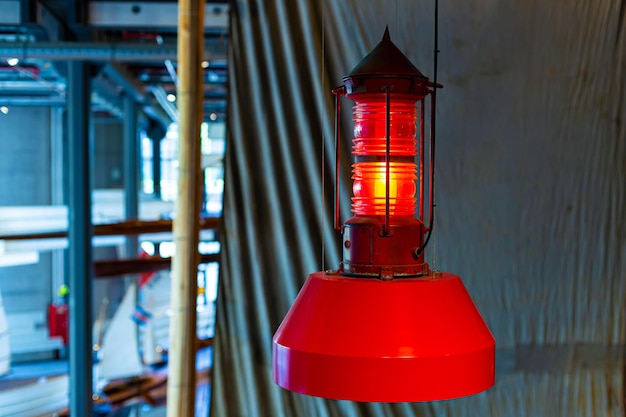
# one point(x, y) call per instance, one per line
point(121, 374)
point(155, 298)
point(119, 353)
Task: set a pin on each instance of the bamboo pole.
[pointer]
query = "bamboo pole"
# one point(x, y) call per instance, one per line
point(181, 384)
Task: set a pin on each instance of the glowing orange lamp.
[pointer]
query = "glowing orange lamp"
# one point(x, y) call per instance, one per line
point(384, 327)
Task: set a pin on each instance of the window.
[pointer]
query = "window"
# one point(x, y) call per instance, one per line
point(212, 146)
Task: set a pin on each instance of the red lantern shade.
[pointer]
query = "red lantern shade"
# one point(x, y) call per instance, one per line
point(415, 339)
point(383, 327)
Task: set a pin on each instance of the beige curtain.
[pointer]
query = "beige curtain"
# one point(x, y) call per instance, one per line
point(531, 190)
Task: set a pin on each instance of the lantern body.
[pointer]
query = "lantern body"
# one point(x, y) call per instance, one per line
point(382, 238)
point(383, 327)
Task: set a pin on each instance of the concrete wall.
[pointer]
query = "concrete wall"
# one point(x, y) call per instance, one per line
point(108, 158)
point(531, 191)
point(25, 156)
point(25, 180)
point(107, 173)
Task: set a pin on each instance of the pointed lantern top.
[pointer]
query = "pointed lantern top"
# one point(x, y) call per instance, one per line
point(386, 64)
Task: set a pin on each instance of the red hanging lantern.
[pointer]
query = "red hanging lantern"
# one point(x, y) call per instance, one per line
point(383, 327)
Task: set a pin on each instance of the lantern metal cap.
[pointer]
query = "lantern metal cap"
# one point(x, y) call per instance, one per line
point(386, 62)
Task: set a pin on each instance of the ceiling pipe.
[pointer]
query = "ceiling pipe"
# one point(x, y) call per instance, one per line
point(101, 51)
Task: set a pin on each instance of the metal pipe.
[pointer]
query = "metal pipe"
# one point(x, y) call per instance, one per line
point(104, 51)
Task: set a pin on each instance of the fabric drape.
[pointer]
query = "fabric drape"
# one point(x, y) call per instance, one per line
point(531, 190)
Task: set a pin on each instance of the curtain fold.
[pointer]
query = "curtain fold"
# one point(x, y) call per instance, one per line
point(531, 190)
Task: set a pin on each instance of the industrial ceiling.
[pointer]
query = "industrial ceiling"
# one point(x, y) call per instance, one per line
point(131, 47)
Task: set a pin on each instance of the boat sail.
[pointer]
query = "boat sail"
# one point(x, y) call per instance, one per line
point(154, 336)
point(118, 356)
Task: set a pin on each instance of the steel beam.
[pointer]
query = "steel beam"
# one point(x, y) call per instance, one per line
point(80, 149)
point(33, 87)
point(57, 170)
point(156, 167)
point(153, 15)
point(31, 101)
point(131, 171)
point(104, 51)
point(120, 76)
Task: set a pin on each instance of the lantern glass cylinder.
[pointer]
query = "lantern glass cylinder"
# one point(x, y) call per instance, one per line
point(369, 172)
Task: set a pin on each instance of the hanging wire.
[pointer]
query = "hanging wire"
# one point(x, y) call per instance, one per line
point(396, 31)
point(434, 260)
